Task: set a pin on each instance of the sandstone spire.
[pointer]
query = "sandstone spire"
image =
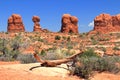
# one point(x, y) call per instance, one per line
point(15, 24)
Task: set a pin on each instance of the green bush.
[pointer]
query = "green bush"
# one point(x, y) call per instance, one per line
point(93, 40)
point(43, 53)
point(64, 38)
point(89, 53)
point(57, 37)
point(40, 39)
point(9, 56)
point(3, 46)
point(116, 48)
point(68, 39)
point(90, 62)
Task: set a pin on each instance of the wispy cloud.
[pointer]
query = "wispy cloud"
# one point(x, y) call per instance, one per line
point(91, 24)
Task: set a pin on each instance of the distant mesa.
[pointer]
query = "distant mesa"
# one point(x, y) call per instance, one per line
point(105, 23)
point(15, 24)
point(69, 24)
point(36, 21)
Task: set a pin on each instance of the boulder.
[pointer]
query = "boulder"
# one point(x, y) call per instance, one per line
point(69, 24)
point(15, 24)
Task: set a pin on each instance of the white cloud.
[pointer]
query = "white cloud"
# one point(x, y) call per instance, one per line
point(91, 24)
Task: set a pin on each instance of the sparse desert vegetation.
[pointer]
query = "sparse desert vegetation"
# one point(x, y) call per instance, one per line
point(101, 52)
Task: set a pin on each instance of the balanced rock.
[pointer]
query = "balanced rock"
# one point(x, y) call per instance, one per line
point(69, 24)
point(15, 24)
point(105, 23)
point(36, 21)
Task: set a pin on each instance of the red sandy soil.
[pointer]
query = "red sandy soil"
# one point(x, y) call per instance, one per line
point(106, 76)
point(16, 71)
point(7, 63)
point(7, 74)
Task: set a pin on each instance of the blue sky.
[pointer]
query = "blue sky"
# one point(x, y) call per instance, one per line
point(51, 11)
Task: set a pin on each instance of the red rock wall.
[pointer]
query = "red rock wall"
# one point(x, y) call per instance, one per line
point(15, 24)
point(69, 24)
point(105, 23)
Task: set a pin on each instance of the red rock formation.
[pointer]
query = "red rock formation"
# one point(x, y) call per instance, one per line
point(105, 23)
point(36, 21)
point(69, 24)
point(15, 24)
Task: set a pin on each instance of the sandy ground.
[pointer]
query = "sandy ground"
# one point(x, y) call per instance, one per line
point(22, 72)
point(106, 76)
point(16, 71)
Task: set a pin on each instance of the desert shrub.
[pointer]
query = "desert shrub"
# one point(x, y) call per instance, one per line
point(57, 53)
point(53, 48)
point(103, 49)
point(92, 37)
point(89, 53)
point(31, 37)
point(103, 39)
point(90, 62)
point(3, 46)
point(106, 64)
point(49, 56)
point(69, 45)
point(68, 38)
point(15, 45)
point(14, 54)
point(9, 56)
point(116, 48)
point(94, 42)
point(9, 50)
point(26, 58)
point(5, 58)
point(64, 38)
point(43, 53)
point(57, 37)
point(83, 35)
point(118, 35)
point(40, 39)
point(54, 54)
point(16, 42)
point(85, 70)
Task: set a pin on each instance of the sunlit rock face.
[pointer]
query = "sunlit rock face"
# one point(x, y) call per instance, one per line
point(69, 24)
point(36, 21)
point(15, 24)
point(106, 23)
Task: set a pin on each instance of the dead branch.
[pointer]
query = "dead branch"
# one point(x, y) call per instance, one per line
point(53, 63)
